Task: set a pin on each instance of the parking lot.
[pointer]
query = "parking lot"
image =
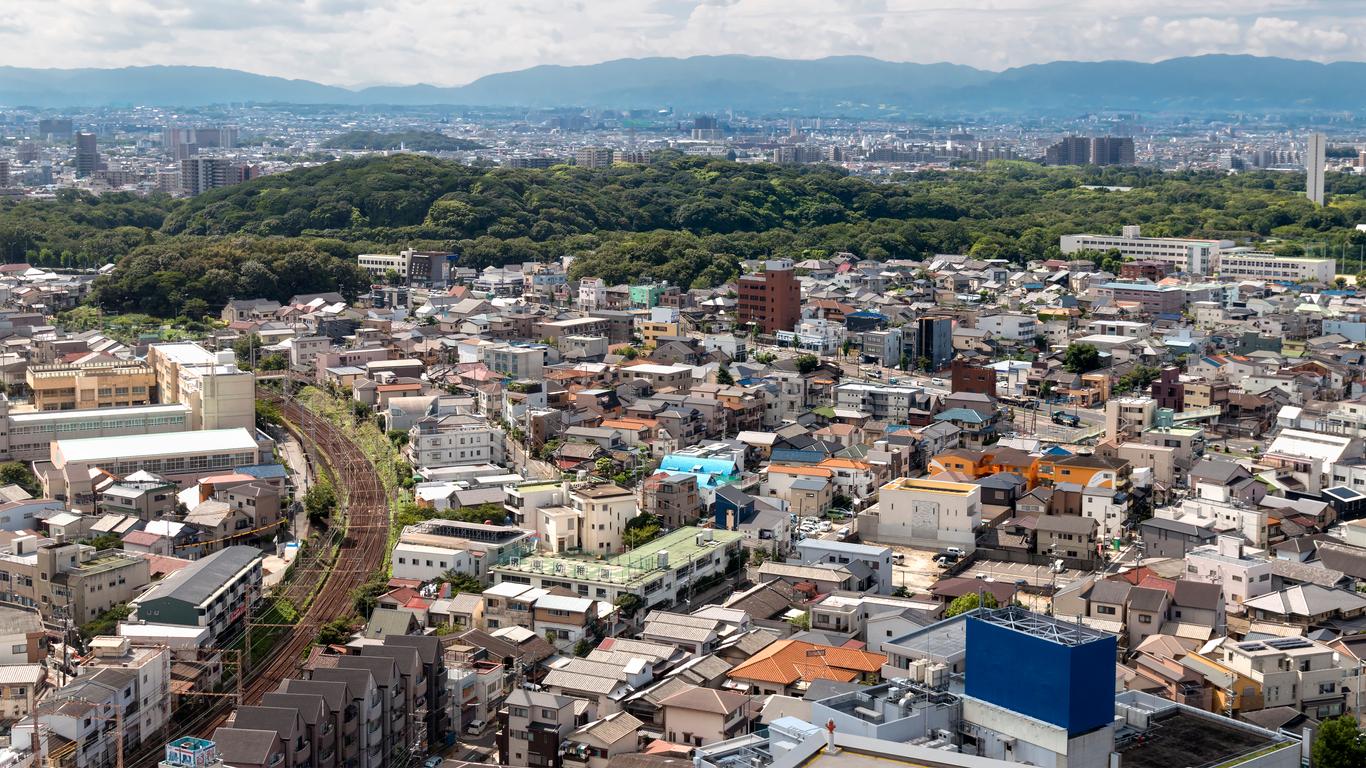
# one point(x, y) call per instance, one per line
point(1034, 575)
point(916, 570)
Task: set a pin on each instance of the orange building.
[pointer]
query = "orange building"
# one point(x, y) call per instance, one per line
point(789, 666)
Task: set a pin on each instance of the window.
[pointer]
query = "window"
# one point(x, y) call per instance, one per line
point(1145, 619)
point(1105, 610)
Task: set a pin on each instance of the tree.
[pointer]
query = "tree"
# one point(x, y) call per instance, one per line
point(106, 622)
point(901, 592)
point(1339, 743)
point(392, 277)
point(723, 376)
point(18, 473)
point(1081, 358)
point(968, 602)
point(336, 631)
point(764, 358)
point(807, 363)
point(629, 352)
point(603, 466)
point(801, 622)
point(583, 648)
point(320, 501)
point(268, 415)
point(1138, 379)
point(641, 529)
point(628, 604)
point(462, 582)
point(272, 362)
point(840, 501)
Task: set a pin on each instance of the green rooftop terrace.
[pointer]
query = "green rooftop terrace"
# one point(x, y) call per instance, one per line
point(632, 568)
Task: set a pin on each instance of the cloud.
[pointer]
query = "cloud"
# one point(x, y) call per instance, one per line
point(446, 43)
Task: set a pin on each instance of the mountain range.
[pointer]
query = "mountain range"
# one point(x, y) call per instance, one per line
point(835, 85)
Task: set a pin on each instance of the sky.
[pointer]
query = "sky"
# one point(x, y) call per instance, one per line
point(452, 42)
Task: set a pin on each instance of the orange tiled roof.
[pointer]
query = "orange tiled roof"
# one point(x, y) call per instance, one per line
point(788, 661)
point(790, 470)
point(839, 463)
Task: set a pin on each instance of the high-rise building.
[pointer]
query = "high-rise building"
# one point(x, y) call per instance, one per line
point(1112, 150)
point(200, 174)
point(933, 342)
point(87, 155)
point(55, 128)
point(4, 173)
point(771, 299)
point(1072, 150)
point(706, 128)
point(1361, 159)
point(593, 157)
point(1313, 166)
point(27, 153)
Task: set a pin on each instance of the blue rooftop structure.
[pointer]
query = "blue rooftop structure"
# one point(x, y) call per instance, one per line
point(960, 414)
point(710, 473)
point(264, 471)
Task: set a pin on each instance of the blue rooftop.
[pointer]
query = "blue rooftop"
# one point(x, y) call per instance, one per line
point(960, 414)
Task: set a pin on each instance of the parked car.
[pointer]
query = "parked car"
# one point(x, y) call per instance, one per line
point(843, 532)
point(825, 526)
point(433, 762)
point(955, 551)
point(475, 728)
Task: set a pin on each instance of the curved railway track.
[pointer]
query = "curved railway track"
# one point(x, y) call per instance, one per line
point(361, 554)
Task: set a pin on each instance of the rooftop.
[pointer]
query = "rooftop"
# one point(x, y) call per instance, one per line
point(126, 447)
point(632, 568)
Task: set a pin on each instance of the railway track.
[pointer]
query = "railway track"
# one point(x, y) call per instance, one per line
point(361, 554)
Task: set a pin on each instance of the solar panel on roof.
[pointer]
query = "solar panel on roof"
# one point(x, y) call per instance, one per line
point(1255, 645)
point(1288, 643)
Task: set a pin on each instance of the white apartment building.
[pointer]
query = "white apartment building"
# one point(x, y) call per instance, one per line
point(1252, 265)
point(880, 401)
point(520, 361)
point(816, 335)
point(430, 548)
point(1226, 563)
point(1294, 672)
point(925, 513)
point(1127, 328)
point(1194, 256)
point(1010, 326)
point(452, 441)
point(603, 510)
point(219, 394)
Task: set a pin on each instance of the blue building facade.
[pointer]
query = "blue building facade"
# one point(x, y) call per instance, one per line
point(1058, 672)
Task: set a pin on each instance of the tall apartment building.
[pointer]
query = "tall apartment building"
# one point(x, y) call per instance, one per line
point(1314, 159)
point(87, 155)
point(771, 299)
point(1112, 150)
point(201, 174)
point(1071, 150)
point(215, 592)
point(66, 387)
point(707, 128)
point(4, 172)
point(594, 157)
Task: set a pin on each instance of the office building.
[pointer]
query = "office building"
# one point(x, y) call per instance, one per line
point(594, 157)
point(29, 434)
point(419, 268)
point(1314, 160)
point(772, 299)
point(219, 394)
point(66, 386)
point(55, 128)
point(87, 155)
point(707, 128)
point(933, 342)
point(1250, 265)
point(1112, 150)
point(4, 172)
point(1196, 257)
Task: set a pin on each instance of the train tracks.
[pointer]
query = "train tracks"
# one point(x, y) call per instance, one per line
point(361, 554)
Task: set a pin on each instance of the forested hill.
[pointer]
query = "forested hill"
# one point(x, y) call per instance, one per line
point(689, 221)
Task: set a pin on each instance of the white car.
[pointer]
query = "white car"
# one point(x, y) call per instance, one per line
point(844, 532)
point(826, 526)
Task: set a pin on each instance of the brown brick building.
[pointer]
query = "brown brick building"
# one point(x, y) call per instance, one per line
point(771, 299)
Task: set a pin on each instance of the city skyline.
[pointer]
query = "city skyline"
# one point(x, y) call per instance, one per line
point(413, 42)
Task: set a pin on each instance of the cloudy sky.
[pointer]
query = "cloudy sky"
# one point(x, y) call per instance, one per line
point(450, 42)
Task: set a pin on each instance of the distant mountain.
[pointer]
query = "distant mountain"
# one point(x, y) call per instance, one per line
point(842, 84)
